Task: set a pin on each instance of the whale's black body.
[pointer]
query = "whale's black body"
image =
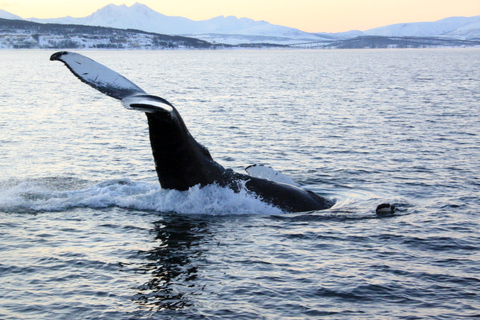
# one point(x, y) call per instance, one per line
point(180, 161)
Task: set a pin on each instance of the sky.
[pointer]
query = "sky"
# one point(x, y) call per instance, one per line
point(306, 15)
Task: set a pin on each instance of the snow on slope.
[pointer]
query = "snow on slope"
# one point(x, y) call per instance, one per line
point(425, 29)
point(471, 31)
point(141, 17)
point(138, 16)
point(7, 15)
point(235, 30)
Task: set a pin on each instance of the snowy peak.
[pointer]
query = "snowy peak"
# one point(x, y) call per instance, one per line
point(122, 16)
point(7, 15)
point(233, 30)
point(425, 29)
point(141, 17)
point(115, 13)
point(137, 16)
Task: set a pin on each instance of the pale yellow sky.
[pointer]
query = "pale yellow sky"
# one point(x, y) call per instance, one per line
point(306, 15)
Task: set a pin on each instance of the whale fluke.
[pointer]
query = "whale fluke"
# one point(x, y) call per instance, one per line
point(98, 76)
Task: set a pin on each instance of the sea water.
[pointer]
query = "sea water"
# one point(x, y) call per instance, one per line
point(87, 233)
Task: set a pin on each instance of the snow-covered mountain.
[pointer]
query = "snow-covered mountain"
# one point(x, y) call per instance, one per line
point(138, 16)
point(454, 26)
point(471, 31)
point(233, 30)
point(7, 15)
point(227, 29)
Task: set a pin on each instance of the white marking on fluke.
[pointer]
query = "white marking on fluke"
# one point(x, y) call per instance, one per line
point(264, 172)
point(147, 103)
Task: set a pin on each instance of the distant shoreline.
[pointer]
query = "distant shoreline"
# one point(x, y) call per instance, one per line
point(20, 34)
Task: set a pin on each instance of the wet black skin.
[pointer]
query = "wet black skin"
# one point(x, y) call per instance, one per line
point(181, 162)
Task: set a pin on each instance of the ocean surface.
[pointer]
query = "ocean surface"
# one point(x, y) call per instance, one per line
point(87, 233)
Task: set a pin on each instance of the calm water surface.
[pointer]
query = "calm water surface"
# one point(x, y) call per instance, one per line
point(86, 232)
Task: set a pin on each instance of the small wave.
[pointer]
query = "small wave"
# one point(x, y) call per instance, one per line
point(62, 194)
point(359, 204)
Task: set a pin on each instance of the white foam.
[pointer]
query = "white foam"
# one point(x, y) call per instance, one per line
point(48, 195)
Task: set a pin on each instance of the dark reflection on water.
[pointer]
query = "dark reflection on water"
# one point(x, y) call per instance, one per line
point(173, 263)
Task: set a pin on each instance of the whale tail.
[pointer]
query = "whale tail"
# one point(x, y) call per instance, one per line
point(180, 161)
point(97, 75)
point(112, 83)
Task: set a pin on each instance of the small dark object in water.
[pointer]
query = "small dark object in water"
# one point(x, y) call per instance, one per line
point(385, 209)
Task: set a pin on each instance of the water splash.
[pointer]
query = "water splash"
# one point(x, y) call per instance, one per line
point(61, 194)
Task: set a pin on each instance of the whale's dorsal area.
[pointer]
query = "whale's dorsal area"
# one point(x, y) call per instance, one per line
point(97, 75)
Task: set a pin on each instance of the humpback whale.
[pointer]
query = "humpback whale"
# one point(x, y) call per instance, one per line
point(180, 161)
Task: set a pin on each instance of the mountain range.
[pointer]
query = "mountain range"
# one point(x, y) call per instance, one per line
point(233, 30)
